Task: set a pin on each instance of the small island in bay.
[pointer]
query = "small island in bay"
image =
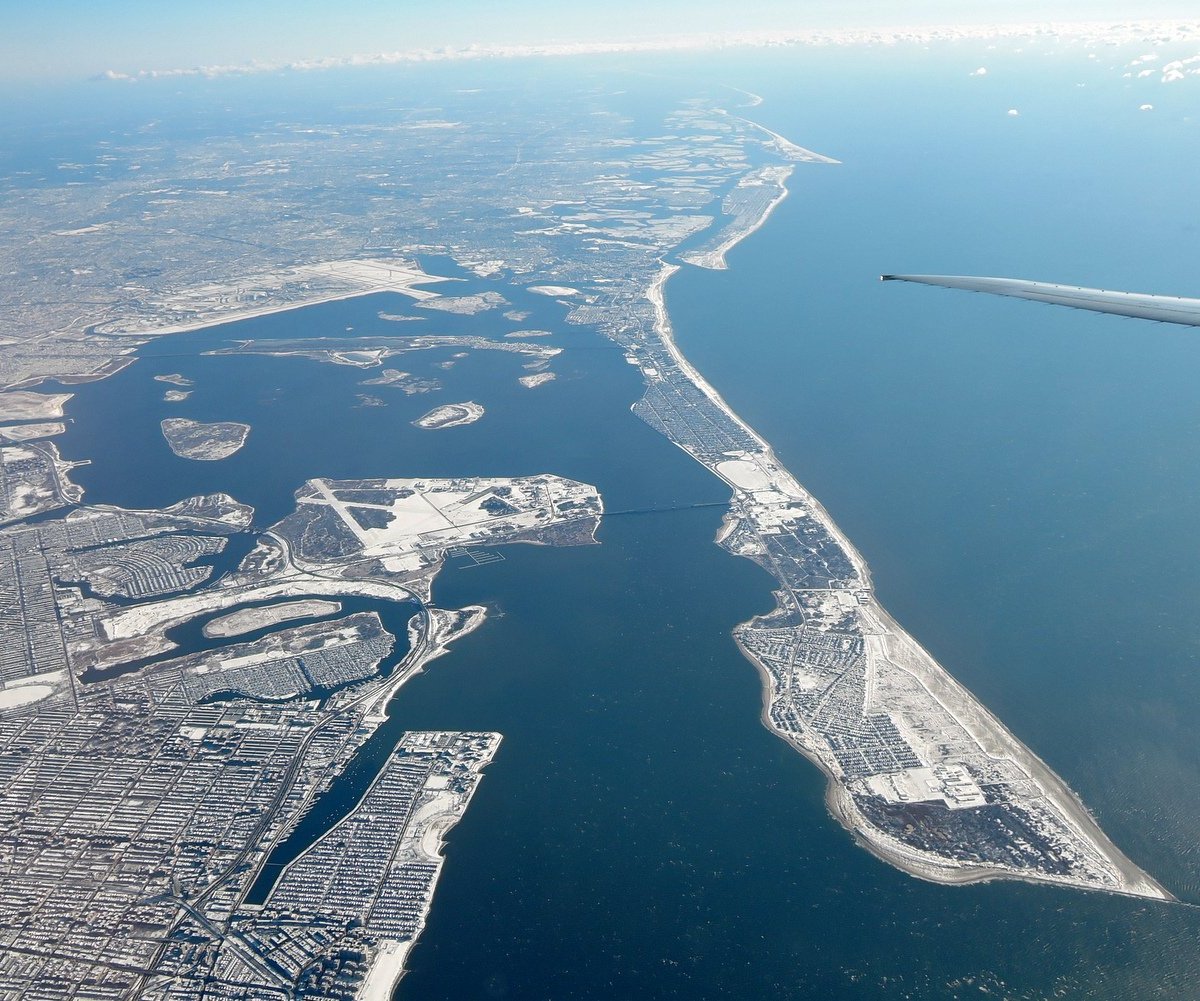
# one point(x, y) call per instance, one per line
point(204, 442)
point(175, 379)
point(536, 379)
point(404, 381)
point(451, 415)
point(465, 305)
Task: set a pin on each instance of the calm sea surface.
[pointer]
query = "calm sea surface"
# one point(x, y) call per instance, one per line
point(1024, 482)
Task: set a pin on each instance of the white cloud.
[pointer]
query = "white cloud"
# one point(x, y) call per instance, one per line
point(1013, 112)
point(1085, 33)
point(1178, 69)
point(1146, 107)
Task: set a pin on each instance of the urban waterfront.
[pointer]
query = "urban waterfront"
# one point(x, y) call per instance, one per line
point(1022, 482)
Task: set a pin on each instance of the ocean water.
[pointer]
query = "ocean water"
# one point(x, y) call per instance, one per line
point(1023, 483)
point(1022, 480)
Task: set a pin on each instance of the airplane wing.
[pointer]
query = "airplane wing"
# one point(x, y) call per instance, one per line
point(1166, 308)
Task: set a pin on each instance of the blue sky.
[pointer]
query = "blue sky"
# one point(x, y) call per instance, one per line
point(76, 38)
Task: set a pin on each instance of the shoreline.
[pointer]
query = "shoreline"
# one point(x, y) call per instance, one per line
point(985, 728)
point(430, 633)
point(235, 316)
point(714, 259)
point(839, 804)
point(117, 363)
point(667, 335)
point(359, 277)
point(1066, 799)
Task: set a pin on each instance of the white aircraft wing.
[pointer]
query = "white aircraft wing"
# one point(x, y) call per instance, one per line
point(1166, 308)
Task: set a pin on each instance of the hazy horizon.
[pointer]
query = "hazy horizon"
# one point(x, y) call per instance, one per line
point(69, 39)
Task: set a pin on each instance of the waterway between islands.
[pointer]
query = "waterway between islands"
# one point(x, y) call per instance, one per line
point(1023, 485)
point(640, 833)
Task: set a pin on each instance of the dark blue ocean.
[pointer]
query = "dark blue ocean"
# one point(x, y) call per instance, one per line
point(1024, 482)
